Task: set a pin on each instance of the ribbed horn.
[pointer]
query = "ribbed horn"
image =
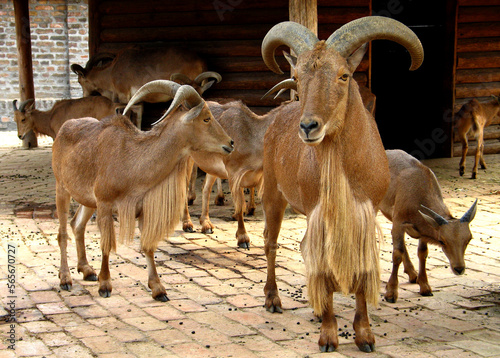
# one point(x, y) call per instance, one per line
point(206, 75)
point(433, 215)
point(469, 215)
point(184, 93)
point(298, 37)
point(357, 32)
point(283, 85)
point(22, 105)
point(169, 88)
point(180, 78)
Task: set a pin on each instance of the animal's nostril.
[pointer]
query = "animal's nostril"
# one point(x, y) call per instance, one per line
point(307, 127)
point(232, 143)
point(459, 270)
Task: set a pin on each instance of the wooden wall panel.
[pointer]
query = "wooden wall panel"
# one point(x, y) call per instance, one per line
point(228, 34)
point(478, 55)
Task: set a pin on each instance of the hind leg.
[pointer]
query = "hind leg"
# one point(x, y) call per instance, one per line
point(78, 224)
point(62, 205)
point(108, 244)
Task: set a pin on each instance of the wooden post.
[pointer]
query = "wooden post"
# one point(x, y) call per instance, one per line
point(305, 12)
point(450, 76)
point(23, 38)
point(94, 27)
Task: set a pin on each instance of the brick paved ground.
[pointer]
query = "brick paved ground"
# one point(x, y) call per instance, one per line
point(216, 290)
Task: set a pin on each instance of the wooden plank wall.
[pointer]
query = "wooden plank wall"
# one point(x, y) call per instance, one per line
point(478, 50)
point(228, 34)
point(478, 60)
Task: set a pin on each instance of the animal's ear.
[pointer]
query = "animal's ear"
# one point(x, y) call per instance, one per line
point(355, 59)
point(79, 70)
point(411, 230)
point(193, 112)
point(292, 60)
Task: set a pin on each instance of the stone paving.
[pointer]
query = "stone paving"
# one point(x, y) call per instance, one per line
point(216, 290)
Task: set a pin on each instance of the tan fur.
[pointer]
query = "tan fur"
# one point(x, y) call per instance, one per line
point(110, 164)
point(162, 207)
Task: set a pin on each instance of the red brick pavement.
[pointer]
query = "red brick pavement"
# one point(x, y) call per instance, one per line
point(216, 290)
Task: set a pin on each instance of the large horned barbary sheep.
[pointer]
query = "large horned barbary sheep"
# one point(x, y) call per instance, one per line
point(119, 76)
point(415, 206)
point(49, 122)
point(335, 170)
point(110, 164)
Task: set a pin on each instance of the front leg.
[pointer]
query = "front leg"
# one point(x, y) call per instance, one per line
point(398, 252)
point(425, 288)
point(274, 208)
point(206, 225)
point(328, 338)
point(158, 291)
point(239, 204)
point(365, 340)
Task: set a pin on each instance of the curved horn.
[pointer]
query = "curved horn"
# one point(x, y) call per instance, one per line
point(159, 86)
point(469, 215)
point(299, 38)
point(99, 57)
point(438, 219)
point(283, 85)
point(355, 33)
point(180, 78)
point(22, 105)
point(184, 93)
point(206, 75)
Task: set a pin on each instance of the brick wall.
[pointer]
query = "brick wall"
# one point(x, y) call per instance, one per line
point(59, 37)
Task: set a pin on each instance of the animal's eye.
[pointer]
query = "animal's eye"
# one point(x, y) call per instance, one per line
point(344, 77)
point(23, 120)
point(206, 120)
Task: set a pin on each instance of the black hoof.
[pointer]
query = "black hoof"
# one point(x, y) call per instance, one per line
point(105, 293)
point(367, 348)
point(162, 297)
point(427, 294)
point(327, 348)
point(190, 201)
point(92, 277)
point(250, 212)
point(66, 287)
point(274, 309)
point(209, 231)
point(391, 300)
point(244, 245)
point(188, 229)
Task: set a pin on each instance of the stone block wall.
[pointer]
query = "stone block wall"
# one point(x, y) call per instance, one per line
point(59, 37)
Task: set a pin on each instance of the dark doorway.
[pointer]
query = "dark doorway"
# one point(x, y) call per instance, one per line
point(411, 109)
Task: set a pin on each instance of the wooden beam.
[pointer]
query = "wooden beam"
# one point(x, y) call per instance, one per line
point(304, 12)
point(94, 27)
point(23, 39)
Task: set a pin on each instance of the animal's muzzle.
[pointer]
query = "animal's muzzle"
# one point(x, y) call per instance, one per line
point(308, 127)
